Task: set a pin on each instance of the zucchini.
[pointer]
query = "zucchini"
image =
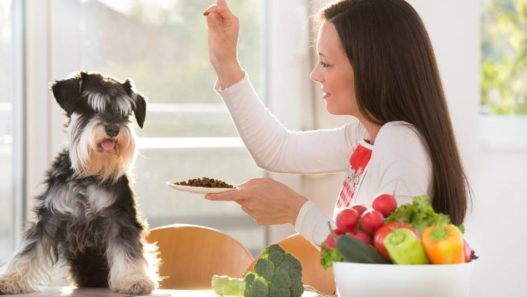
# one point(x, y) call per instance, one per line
point(354, 250)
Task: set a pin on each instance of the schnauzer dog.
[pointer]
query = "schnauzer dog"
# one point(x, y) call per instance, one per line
point(87, 216)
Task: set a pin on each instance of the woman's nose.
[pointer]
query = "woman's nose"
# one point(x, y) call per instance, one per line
point(314, 75)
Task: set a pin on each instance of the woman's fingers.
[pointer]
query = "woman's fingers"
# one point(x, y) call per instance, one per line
point(220, 8)
point(234, 195)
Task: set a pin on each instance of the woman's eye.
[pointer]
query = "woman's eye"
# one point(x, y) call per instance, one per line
point(324, 65)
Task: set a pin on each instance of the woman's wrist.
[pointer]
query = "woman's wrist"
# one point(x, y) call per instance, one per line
point(229, 75)
point(295, 207)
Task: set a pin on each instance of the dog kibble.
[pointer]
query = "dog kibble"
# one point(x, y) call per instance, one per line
point(205, 182)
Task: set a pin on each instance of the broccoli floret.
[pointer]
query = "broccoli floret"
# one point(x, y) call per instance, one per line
point(276, 274)
point(274, 253)
point(264, 268)
point(255, 286)
point(281, 281)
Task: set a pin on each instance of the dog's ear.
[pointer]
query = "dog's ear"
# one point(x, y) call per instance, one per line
point(139, 105)
point(139, 109)
point(67, 92)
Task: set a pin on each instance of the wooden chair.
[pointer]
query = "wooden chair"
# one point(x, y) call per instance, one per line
point(309, 256)
point(191, 254)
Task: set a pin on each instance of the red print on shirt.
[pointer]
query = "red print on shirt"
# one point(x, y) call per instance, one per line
point(357, 164)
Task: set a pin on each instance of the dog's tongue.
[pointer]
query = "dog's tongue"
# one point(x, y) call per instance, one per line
point(108, 145)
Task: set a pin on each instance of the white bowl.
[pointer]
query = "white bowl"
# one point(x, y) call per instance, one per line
point(381, 280)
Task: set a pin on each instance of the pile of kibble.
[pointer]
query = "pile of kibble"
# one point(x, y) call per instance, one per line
point(205, 182)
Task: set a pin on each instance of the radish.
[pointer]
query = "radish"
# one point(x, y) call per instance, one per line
point(371, 220)
point(362, 236)
point(385, 203)
point(347, 219)
point(330, 242)
point(359, 208)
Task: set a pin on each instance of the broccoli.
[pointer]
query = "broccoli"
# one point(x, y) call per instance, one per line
point(276, 274)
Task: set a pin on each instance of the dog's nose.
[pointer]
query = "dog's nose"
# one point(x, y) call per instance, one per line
point(111, 130)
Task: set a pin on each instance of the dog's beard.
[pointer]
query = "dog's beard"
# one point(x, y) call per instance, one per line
point(93, 153)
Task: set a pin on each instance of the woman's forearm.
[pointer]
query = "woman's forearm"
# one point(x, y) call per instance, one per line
point(277, 149)
point(229, 74)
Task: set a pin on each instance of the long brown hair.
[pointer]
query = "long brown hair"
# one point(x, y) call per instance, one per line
point(397, 79)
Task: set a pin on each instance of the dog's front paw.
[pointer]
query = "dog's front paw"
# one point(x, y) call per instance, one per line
point(14, 285)
point(136, 287)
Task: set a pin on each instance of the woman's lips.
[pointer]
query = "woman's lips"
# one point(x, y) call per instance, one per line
point(325, 94)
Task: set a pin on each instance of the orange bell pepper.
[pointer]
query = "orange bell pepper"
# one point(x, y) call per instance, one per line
point(443, 244)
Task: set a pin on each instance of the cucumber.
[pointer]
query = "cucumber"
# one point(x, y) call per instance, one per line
point(354, 250)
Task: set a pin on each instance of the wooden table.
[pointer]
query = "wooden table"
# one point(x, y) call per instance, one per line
point(93, 292)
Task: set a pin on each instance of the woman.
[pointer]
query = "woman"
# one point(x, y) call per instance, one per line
point(376, 63)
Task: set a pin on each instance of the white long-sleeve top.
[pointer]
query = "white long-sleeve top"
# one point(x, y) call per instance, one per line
point(399, 162)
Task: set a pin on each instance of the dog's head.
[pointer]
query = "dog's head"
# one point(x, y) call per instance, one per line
point(102, 142)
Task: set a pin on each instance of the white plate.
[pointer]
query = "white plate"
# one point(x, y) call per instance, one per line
point(199, 190)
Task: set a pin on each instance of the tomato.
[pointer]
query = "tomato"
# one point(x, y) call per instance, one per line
point(330, 242)
point(371, 220)
point(359, 208)
point(362, 236)
point(347, 219)
point(385, 203)
point(382, 232)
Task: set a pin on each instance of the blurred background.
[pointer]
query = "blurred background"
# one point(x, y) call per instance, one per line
point(161, 45)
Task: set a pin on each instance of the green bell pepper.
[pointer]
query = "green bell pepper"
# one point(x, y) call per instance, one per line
point(404, 247)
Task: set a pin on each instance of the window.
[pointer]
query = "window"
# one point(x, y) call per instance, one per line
point(10, 126)
point(504, 57)
point(162, 47)
point(503, 119)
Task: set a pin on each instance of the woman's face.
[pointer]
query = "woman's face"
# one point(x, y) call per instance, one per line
point(335, 73)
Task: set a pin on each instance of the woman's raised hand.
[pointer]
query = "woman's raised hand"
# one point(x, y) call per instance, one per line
point(223, 28)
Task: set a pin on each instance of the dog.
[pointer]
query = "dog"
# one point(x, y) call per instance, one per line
point(87, 216)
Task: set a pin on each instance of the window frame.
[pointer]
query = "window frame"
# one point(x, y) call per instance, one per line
point(17, 107)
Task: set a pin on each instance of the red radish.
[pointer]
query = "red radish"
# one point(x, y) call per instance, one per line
point(468, 251)
point(371, 220)
point(359, 208)
point(382, 232)
point(337, 231)
point(347, 219)
point(362, 236)
point(385, 203)
point(330, 242)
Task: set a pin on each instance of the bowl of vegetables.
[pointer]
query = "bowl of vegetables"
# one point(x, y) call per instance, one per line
point(408, 250)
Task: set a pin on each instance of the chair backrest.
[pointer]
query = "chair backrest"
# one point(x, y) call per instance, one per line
point(309, 256)
point(191, 254)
